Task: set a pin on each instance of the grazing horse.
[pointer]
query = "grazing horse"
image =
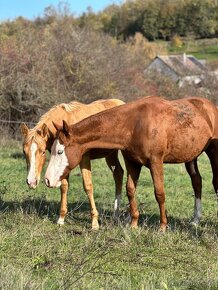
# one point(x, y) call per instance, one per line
point(41, 137)
point(150, 131)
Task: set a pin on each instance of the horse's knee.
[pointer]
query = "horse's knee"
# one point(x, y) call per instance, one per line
point(119, 170)
point(88, 187)
point(64, 185)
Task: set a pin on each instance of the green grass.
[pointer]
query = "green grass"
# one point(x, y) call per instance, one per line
point(35, 253)
point(202, 49)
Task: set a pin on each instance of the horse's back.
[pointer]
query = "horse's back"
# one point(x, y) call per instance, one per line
point(102, 104)
point(80, 111)
point(179, 130)
point(205, 111)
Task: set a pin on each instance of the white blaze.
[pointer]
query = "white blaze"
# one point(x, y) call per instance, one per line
point(32, 170)
point(57, 164)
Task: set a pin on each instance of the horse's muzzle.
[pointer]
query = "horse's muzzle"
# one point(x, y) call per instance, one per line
point(49, 184)
point(32, 184)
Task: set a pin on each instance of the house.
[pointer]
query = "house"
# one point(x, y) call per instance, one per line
point(180, 68)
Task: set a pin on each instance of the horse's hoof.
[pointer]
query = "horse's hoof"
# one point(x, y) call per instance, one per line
point(60, 222)
point(95, 228)
point(128, 219)
point(116, 217)
point(163, 229)
point(134, 227)
point(194, 223)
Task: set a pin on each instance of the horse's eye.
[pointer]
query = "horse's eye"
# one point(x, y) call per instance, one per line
point(60, 152)
point(43, 152)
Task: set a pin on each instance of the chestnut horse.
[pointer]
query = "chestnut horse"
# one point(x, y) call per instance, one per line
point(150, 131)
point(40, 138)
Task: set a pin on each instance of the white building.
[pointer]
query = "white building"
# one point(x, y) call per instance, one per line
point(180, 68)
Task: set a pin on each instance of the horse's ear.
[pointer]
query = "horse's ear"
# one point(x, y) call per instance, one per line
point(24, 129)
point(66, 128)
point(57, 127)
point(44, 130)
point(63, 137)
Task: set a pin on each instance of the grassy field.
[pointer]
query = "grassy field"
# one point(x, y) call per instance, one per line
point(203, 49)
point(35, 253)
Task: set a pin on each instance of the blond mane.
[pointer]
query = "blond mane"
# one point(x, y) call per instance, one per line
point(68, 107)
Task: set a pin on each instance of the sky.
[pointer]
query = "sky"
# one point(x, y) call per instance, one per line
point(10, 9)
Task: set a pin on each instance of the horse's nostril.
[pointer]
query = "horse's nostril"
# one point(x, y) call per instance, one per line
point(27, 181)
point(47, 182)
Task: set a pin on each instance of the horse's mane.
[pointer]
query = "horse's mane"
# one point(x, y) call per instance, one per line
point(68, 107)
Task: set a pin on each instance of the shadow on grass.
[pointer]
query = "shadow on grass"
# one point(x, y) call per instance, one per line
point(77, 212)
point(80, 213)
point(18, 155)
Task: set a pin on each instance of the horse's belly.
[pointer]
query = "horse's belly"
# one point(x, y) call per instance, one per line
point(185, 149)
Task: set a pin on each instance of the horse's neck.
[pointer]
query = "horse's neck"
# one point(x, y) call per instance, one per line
point(101, 132)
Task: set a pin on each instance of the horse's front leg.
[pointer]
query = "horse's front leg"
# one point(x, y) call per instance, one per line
point(85, 167)
point(63, 208)
point(133, 172)
point(117, 170)
point(156, 169)
point(192, 169)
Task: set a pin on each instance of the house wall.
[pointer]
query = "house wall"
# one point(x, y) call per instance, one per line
point(159, 66)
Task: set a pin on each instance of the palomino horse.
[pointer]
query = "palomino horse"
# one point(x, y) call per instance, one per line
point(41, 137)
point(150, 132)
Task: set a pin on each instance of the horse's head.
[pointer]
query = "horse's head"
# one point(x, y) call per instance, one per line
point(34, 148)
point(65, 155)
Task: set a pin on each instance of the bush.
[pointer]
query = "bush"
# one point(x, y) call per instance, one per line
point(59, 63)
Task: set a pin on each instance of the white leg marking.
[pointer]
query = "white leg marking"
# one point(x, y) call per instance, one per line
point(117, 203)
point(113, 168)
point(60, 221)
point(197, 211)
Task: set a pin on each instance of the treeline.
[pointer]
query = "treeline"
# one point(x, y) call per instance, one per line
point(156, 19)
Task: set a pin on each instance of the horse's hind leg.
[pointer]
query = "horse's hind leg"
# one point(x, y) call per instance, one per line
point(156, 169)
point(133, 172)
point(192, 169)
point(212, 152)
point(85, 167)
point(114, 165)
